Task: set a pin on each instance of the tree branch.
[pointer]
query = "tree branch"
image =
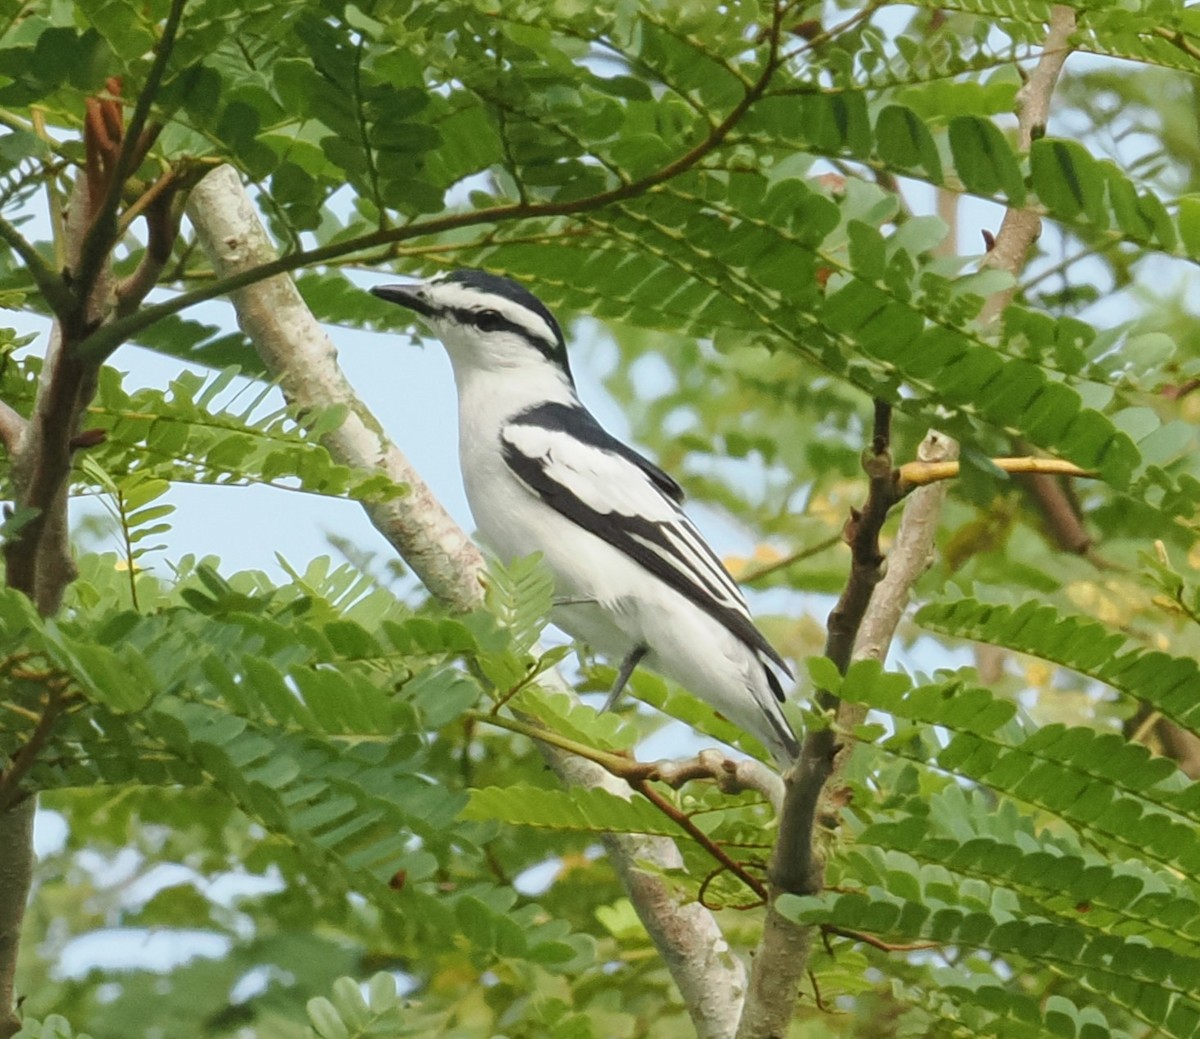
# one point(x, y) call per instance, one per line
point(796, 865)
point(1021, 227)
point(102, 232)
point(782, 958)
point(16, 874)
point(298, 353)
point(922, 473)
point(12, 427)
point(910, 556)
point(1010, 251)
point(24, 758)
point(52, 287)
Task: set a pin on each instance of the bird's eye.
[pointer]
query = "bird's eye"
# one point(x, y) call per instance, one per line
point(489, 321)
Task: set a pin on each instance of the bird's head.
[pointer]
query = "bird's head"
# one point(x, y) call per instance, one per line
point(486, 322)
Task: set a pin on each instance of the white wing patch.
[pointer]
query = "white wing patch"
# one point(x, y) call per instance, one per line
point(564, 457)
point(603, 481)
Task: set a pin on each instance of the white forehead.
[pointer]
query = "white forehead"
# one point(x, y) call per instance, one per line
point(454, 295)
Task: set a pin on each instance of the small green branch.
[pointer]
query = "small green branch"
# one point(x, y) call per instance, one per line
point(767, 569)
point(23, 760)
point(51, 285)
point(122, 514)
point(617, 764)
point(638, 775)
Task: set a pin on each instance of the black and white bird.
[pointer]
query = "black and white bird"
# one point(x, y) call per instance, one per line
point(634, 578)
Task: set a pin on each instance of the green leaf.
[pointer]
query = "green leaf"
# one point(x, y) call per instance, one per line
point(985, 160)
point(1068, 180)
point(903, 140)
point(1189, 224)
point(593, 811)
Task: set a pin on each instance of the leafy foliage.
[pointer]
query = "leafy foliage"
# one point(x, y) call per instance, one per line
point(746, 205)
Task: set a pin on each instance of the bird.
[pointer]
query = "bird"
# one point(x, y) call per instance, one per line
point(634, 578)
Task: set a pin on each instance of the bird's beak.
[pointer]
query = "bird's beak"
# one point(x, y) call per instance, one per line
point(410, 296)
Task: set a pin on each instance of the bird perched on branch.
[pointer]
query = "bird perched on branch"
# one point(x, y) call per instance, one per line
point(634, 578)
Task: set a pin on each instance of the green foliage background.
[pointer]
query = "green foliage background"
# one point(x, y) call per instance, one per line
point(738, 209)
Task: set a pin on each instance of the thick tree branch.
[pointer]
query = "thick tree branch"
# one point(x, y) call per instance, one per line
point(16, 874)
point(796, 863)
point(298, 353)
point(783, 952)
point(37, 551)
point(38, 556)
point(781, 962)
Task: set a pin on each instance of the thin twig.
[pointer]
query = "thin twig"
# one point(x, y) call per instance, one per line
point(832, 33)
point(638, 775)
point(767, 569)
point(22, 761)
point(682, 820)
point(877, 943)
point(921, 474)
point(619, 765)
point(1176, 38)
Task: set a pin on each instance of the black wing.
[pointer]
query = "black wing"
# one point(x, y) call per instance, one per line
point(564, 456)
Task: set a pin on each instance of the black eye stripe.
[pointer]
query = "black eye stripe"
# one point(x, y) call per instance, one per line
point(493, 321)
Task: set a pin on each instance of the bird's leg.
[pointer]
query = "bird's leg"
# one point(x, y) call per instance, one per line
point(632, 659)
point(572, 601)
